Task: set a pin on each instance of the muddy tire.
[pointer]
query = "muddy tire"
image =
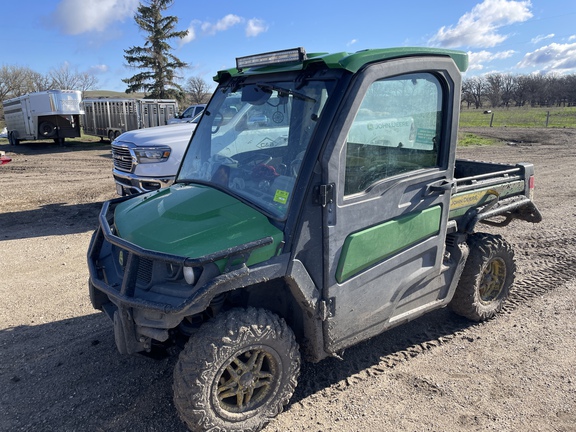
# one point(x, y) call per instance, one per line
point(237, 372)
point(487, 277)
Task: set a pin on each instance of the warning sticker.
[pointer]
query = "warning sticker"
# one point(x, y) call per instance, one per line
point(281, 196)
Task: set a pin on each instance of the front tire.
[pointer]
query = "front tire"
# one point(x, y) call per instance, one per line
point(487, 277)
point(237, 372)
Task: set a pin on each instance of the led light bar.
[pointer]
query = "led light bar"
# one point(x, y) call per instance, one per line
point(295, 55)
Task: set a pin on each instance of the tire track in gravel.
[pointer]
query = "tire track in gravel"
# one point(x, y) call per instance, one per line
point(553, 266)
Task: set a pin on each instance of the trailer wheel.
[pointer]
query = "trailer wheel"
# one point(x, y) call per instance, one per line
point(47, 129)
point(111, 136)
point(487, 277)
point(237, 372)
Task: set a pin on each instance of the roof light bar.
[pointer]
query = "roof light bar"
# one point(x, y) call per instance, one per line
point(294, 55)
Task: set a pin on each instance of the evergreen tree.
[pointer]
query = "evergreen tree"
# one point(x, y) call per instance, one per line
point(157, 66)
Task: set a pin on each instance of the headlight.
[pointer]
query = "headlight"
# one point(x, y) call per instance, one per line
point(152, 154)
point(191, 274)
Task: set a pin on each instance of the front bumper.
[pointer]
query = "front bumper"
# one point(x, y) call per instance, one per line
point(144, 292)
point(130, 184)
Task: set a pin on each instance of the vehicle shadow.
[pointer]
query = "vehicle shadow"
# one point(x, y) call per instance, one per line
point(49, 147)
point(68, 375)
point(380, 353)
point(50, 219)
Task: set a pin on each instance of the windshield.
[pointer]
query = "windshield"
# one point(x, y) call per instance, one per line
point(252, 138)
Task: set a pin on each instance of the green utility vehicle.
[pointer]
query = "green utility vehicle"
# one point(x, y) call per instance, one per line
point(319, 204)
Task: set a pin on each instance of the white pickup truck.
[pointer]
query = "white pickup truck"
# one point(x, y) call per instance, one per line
point(148, 159)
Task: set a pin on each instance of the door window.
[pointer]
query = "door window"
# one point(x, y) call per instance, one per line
point(396, 131)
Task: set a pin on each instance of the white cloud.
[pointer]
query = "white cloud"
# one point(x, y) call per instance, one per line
point(75, 17)
point(224, 24)
point(560, 58)
point(480, 26)
point(477, 60)
point(571, 38)
point(255, 26)
point(540, 38)
point(352, 42)
point(189, 37)
point(98, 69)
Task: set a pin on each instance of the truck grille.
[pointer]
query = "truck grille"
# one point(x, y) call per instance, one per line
point(122, 158)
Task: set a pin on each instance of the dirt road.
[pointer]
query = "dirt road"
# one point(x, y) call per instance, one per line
point(60, 371)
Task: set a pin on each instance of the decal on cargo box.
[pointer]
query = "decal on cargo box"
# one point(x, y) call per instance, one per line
point(470, 199)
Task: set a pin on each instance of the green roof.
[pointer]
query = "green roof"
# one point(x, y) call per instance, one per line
point(352, 61)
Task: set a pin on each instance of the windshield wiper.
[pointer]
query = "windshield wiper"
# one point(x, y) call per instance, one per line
point(302, 96)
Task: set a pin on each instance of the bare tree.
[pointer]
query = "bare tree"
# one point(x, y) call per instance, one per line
point(493, 89)
point(86, 81)
point(569, 89)
point(508, 85)
point(38, 82)
point(474, 89)
point(15, 81)
point(521, 93)
point(65, 78)
point(197, 90)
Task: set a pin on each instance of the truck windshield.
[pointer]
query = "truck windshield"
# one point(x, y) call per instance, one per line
point(252, 139)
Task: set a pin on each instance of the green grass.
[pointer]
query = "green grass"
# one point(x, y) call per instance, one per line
point(469, 140)
point(519, 117)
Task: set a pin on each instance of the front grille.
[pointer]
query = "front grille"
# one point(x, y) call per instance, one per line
point(122, 158)
point(145, 268)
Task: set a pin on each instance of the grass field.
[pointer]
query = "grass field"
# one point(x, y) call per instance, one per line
point(498, 117)
point(519, 117)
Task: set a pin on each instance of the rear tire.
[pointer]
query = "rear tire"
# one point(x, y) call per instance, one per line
point(12, 140)
point(237, 372)
point(487, 277)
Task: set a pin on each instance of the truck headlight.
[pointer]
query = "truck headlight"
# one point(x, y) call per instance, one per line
point(152, 154)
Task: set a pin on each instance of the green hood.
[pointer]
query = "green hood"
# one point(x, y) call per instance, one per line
point(193, 221)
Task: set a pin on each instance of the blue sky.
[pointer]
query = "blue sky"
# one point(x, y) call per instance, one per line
point(520, 37)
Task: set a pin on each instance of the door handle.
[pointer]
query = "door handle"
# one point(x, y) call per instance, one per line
point(439, 187)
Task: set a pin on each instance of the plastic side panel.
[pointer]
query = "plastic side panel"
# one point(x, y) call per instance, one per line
point(462, 202)
point(368, 247)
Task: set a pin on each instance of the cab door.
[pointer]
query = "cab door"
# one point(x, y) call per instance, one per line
point(388, 173)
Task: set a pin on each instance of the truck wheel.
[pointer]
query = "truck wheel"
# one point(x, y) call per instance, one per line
point(237, 372)
point(47, 129)
point(487, 277)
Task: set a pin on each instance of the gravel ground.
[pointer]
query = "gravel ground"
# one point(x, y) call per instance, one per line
point(60, 370)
